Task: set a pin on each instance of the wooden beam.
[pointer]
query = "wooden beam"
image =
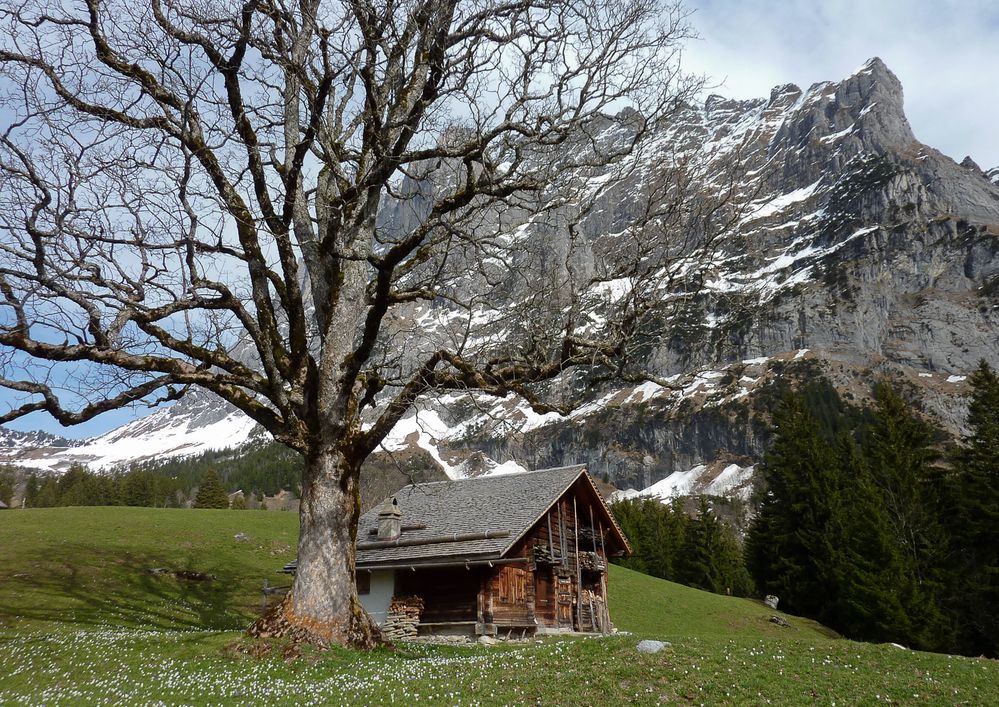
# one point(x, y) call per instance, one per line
point(403, 529)
point(434, 540)
point(551, 542)
point(579, 583)
point(563, 546)
point(479, 602)
point(593, 529)
point(603, 580)
point(467, 564)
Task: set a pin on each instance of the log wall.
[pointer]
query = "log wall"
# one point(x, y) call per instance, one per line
point(563, 584)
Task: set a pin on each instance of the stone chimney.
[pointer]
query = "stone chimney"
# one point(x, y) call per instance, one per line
point(389, 520)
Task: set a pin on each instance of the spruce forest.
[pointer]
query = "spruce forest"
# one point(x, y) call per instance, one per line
point(869, 520)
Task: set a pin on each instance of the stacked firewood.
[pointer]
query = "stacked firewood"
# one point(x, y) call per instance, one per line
point(403, 619)
point(592, 610)
point(543, 555)
point(592, 561)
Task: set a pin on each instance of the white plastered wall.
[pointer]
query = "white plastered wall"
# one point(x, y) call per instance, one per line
point(376, 602)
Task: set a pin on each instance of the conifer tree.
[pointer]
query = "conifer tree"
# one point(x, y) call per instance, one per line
point(698, 562)
point(787, 549)
point(900, 456)
point(210, 493)
point(48, 493)
point(668, 537)
point(137, 489)
point(31, 490)
point(864, 564)
point(7, 483)
point(656, 531)
point(72, 487)
point(975, 579)
point(710, 557)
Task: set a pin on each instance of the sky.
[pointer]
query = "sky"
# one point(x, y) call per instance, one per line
point(946, 53)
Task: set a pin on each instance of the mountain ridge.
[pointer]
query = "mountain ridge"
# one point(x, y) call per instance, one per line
point(861, 249)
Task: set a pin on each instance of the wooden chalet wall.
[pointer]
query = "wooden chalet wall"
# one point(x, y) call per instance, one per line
point(560, 579)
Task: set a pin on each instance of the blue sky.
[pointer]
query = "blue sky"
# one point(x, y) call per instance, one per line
point(946, 53)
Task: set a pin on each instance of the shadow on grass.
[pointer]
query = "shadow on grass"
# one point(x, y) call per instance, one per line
point(119, 590)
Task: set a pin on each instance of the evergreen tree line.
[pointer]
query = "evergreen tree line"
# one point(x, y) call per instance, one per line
point(79, 486)
point(873, 525)
point(136, 487)
point(262, 469)
point(8, 482)
point(698, 550)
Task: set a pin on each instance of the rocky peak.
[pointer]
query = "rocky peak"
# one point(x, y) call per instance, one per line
point(784, 96)
point(874, 77)
point(870, 102)
point(14, 439)
point(821, 130)
point(969, 163)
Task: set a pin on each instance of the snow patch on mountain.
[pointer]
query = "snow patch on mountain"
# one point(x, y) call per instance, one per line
point(148, 439)
point(422, 429)
point(778, 204)
point(716, 479)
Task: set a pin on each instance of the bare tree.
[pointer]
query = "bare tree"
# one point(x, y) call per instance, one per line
point(312, 210)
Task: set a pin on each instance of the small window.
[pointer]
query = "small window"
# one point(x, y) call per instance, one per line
point(512, 585)
point(363, 580)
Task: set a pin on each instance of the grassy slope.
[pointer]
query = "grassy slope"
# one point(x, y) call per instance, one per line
point(87, 566)
point(650, 606)
point(81, 622)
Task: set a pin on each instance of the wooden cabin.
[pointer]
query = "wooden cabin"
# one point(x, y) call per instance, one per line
point(517, 554)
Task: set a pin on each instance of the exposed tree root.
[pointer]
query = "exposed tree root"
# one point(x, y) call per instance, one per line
point(281, 622)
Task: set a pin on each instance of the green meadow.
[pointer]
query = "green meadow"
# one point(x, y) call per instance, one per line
point(146, 606)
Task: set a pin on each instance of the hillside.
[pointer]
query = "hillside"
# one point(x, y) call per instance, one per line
point(76, 598)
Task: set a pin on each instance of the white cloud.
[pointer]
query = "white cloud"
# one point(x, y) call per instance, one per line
point(944, 51)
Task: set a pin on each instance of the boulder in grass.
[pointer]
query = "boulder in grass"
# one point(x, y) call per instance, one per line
point(771, 601)
point(649, 646)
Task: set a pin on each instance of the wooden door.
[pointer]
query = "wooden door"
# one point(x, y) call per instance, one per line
point(563, 598)
point(544, 598)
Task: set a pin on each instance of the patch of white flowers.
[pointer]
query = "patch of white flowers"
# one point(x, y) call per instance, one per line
point(113, 666)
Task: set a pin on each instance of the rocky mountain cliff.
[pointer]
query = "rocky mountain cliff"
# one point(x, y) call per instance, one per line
point(862, 253)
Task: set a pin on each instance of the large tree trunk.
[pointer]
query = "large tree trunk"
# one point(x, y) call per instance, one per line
point(322, 607)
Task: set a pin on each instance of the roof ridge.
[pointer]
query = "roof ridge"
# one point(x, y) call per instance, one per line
point(487, 477)
point(580, 471)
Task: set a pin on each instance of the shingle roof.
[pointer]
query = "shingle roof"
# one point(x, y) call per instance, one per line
point(509, 503)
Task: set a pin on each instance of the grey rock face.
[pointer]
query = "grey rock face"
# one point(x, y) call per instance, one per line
point(877, 254)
